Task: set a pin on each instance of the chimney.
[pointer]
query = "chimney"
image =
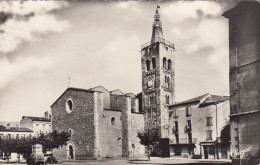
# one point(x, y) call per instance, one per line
point(8, 126)
point(46, 114)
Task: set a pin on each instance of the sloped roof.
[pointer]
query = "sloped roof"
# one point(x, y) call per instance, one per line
point(72, 88)
point(97, 88)
point(213, 100)
point(204, 100)
point(190, 101)
point(241, 7)
point(117, 92)
point(37, 118)
point(14, 129)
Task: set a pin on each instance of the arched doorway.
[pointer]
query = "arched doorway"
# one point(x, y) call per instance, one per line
point(70, 148)
point(71, 154)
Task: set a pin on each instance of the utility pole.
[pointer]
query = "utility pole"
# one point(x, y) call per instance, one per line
point(238, 141)
point(216, 130)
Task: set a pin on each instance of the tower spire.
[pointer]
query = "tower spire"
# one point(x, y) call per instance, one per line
point(157, 26)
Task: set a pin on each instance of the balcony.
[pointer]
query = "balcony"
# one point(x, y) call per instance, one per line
point(159, 39)
point(184, 141)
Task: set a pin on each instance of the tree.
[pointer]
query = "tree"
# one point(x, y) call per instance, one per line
point(23, 145)
point(149, 137)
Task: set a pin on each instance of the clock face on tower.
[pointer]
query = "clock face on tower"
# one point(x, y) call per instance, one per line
point(150, 82)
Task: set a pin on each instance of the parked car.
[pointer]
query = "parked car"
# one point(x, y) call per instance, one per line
point(49, 159)
point(38, 158)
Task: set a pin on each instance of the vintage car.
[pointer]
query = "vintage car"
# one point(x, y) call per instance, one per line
point(38, 158)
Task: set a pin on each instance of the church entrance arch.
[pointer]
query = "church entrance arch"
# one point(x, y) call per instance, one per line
point(70, 151)
point(71, 155)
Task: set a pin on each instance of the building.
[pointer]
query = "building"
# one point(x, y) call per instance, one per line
point(244, 70)
point(195, 126)
point(14, 132)
point(102, 123)
point(157, 58)
point(37, 124)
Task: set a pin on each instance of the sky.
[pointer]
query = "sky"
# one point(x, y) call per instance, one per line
point(46, 46)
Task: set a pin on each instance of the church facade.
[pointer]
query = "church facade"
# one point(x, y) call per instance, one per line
point(102, 124)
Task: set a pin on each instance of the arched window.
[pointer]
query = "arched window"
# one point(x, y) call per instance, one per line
point(168, 82)
point(154, 62)
point(169, 64)
point(113, 121)
point(167, 99)
point(69, 105)
point(147, 65)
point(164, 62)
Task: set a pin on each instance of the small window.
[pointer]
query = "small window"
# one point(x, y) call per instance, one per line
point(147, 65)
point(209, 134)
point(37, 125)
point(113, 121)
point(177, 138)
point(175, 113)
point(169, 64)
point(154, 62)
point(69, 106)
point(167, 99)
point(164, 63)
point(176, 127)
point(168, 82)
point(188, 111)
point(189, 124)
point(166, 48)
point(209, 121)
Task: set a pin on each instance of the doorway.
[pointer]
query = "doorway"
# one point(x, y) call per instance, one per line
point(177, 150)
point(206, 152)
point(71, 154)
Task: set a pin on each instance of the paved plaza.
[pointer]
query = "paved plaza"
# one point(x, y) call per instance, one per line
point(143, 161)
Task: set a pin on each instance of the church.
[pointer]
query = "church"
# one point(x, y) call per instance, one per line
point(105, 124)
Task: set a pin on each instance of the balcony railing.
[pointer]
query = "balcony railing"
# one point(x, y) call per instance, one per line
point(184, 141)
point(158, 39)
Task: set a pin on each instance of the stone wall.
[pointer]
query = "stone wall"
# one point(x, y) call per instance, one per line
point(110, 135)
point(80, 121)
point(137, 124)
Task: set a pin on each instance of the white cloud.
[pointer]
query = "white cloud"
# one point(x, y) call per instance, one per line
point(20, 27)
point(9, 71)
point(28, 7)
point(179, 11)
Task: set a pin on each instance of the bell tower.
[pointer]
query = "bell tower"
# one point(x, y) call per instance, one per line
point(158, 87)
